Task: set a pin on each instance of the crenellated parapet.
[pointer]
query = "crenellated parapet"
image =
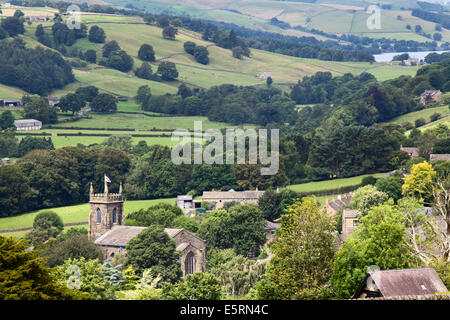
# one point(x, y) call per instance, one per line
point(105, 197)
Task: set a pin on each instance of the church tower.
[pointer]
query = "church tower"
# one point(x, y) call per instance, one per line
point(106, 211)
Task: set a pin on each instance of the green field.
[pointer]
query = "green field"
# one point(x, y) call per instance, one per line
point(330, 184)
point(425, 113)
point(76, 213)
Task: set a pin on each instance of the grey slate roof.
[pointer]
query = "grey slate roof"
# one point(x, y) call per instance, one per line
point(407, 282)
point(272, 225)
point(119, 236)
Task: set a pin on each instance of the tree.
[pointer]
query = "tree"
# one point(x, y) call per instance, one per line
point(88, 276)
point(146, 53)
point(392, 186)
point(167, 71)
point(46, 225)
point(303, 253)
point(23, 275)
point(18, 14)
point(380, 241)
point(104, 103)
point(88, 93)
point(144, 71)
point(153, 248)
point(71, 247)
point(418, 28)
point(96, 34)
point(162, 21)
point(162, 214)
point(237, 274)
point(169, 32)
point(38, 108)
point(419, 182)
point(240, 228)
point(269, 81)
point(15, 192)
point(189, 47)
point(437, 36)
point(238, 52)
point(143, 96)
point(71, 102)
point(109, 48)
point(367, 197)
point(201, 54)
point(12, 25)
point(6, 120)
point(198, 286)
point(28, 144)
point(90, 56)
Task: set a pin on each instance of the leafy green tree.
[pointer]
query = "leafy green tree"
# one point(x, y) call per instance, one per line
point(96, 34)
point(92, 280)
point(240, 228)
point(104, 103)
point(392, 186)
point(73, 246)
point(18, 14)
point(52, 217)
point(144, 71)
point(162, 214)
point(169, 32)
point(238, 274)
point(269, 81)
point(12, 25)
point(367, 197)
point(201, 54)
point(198, 286)
point(15, 192)
point(143, 96)
point(167, 71)
point(6, 120)
point(23, 275)
point(109, 48)
point(153, 248)
point(146, 53)
point(38, 108)
point(380, 241)
point(303, 253)
point(90, 56)
point(46, 225)
point(71, 102)
point(88, 93)
point(189, 47)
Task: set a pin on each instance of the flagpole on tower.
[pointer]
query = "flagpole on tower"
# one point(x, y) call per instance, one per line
point(106, 185)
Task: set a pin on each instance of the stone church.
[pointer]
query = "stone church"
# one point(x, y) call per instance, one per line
point(107, 229)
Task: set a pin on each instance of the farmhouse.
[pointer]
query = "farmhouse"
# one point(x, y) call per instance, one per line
point(413, 152)
point(107, 230)
point(271, 228)
point(430, 96)
point(28, 124)
point(222, 197)
point(400, 283)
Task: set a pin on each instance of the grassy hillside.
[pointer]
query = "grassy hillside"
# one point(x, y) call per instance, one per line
point(425, 113)
point(331, 16)
point(223, 68)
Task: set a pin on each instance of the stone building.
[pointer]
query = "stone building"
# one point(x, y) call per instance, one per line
point(430, 96)
point(411, 151)
point(435, 157)
point(335, 205)
point(222, 197)
point(107, 230)
point(349, 222)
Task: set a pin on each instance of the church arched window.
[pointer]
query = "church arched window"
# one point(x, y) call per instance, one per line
point(114, 217)
point(99, 216)
point(189, 263)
